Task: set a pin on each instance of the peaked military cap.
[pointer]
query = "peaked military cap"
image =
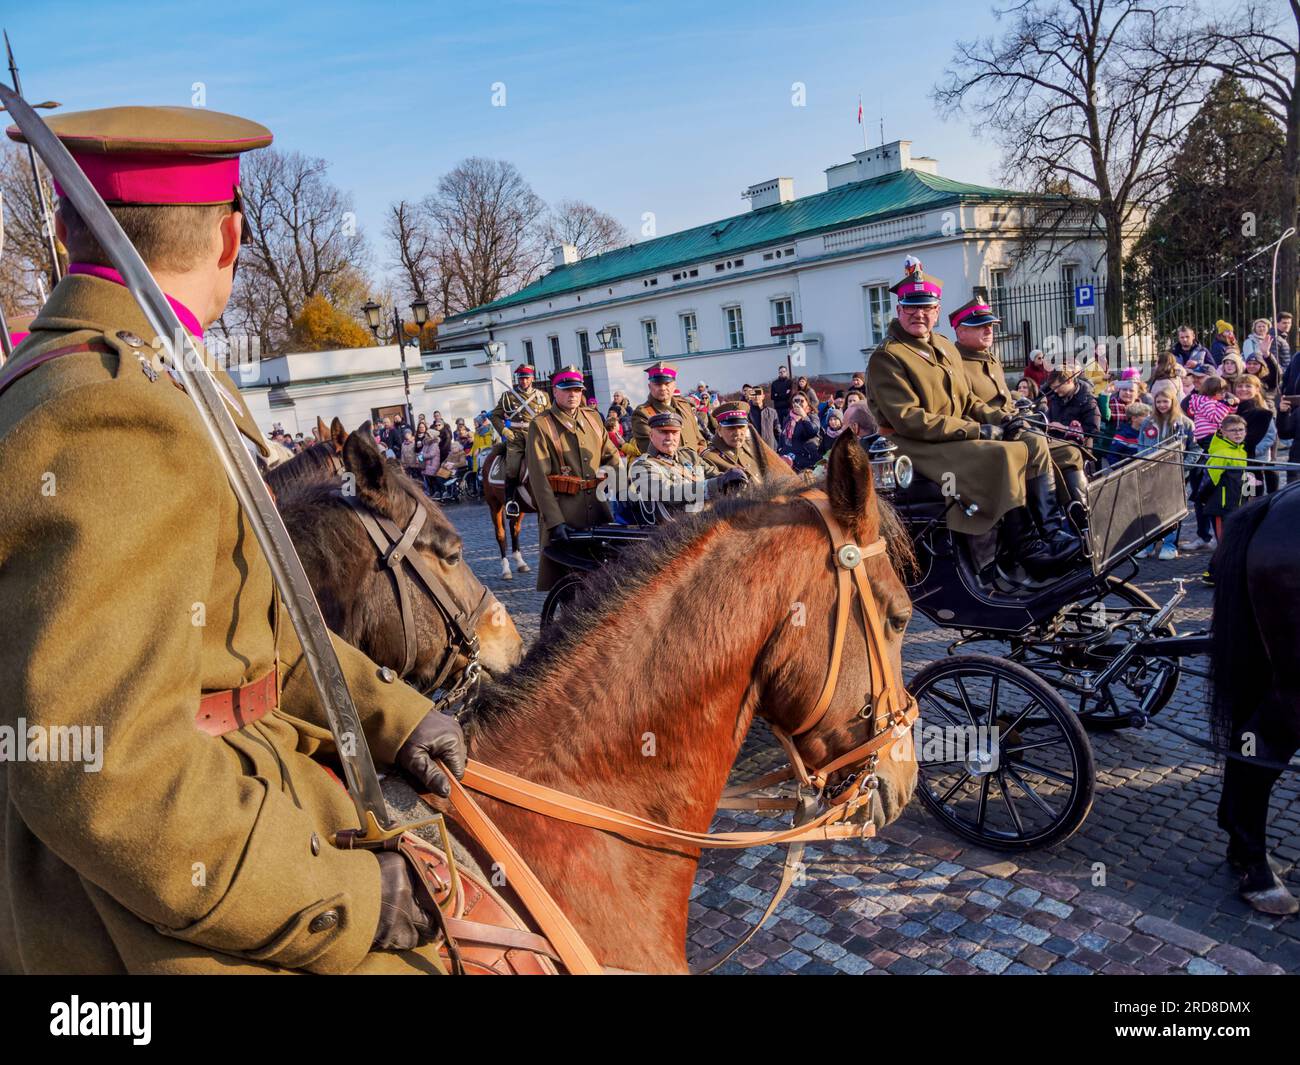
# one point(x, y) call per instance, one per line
point(662, 371)
point(973, 312)
point(735, 412)
point(668, 419)
point(569, 377)
point(157, 155)
point(917, 289)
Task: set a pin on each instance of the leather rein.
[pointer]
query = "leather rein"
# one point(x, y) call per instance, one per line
point(821, 811)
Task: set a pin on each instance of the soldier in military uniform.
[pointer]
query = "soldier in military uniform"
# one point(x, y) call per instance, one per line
point(566, 449)
point(919, 393)
point(735, 447)
point(973, 324)
point(671, 477)
point(662, 382)
point(511, 417)
point(138, 603)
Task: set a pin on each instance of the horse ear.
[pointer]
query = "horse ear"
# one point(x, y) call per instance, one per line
point(850, 489)
point(322, 433)
point(337, 434)
point(362, 459)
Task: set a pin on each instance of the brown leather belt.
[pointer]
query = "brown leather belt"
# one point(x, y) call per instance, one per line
point(566, 485)
point(233, 708)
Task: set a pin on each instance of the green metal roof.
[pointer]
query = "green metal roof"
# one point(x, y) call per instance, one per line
point(902, 192)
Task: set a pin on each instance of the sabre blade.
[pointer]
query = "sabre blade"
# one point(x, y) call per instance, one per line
point(254, 498)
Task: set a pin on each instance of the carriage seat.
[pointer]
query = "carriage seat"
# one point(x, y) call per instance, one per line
point(921, 501)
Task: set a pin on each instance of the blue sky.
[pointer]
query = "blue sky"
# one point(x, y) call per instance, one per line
point(670, 107)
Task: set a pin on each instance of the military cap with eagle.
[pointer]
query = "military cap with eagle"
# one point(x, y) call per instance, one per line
point(973, 312)
point(732, 413)
point(917, 289)
point(170, 156)
point(668, 419)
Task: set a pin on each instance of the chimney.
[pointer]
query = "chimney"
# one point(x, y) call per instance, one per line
point(564, 255)
point(769, 193)
point(875, 162)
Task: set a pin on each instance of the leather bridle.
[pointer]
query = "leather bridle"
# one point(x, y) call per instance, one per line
point(890, 708)
point(396, 555)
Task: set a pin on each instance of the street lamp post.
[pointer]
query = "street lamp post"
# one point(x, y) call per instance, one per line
point(420, 313)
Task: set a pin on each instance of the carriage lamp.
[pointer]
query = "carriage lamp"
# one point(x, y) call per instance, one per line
point(420, 312)
point(889, 470)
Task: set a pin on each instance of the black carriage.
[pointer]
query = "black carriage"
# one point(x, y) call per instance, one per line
point(1089, 648)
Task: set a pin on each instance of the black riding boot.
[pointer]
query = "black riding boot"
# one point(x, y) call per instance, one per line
point(1061, 541)
point(1076, 484)
point(512, 497)
point(1020, 544)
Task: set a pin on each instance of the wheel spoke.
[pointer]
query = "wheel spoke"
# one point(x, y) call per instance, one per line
point(1033, 795)
point(949, 793)
point(1022, 747)
point(1011, 806)
point(929, 694)
point(993, 702)
point(983, 808)
point(1043, 771)
point(965, 702)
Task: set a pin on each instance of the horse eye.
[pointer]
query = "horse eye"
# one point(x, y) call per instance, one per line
point(453, 559)
point(898, 622)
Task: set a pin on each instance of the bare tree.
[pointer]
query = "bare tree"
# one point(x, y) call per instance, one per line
point(305, 242)
point(25, 268)
point(1260, 47)
point(1086, 98)
point(411, 233)
point(486, 217)
point(588, 229)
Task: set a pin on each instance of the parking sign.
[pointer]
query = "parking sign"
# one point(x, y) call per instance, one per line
point(1085, 299)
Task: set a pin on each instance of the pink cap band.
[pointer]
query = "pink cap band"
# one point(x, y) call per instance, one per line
point(148, 177)
point(562, 377)
point(906, 288)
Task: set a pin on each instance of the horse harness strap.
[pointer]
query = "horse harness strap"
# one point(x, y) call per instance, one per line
point(395, 552)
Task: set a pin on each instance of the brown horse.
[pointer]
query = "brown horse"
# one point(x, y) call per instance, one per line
point(494, 495)
point(356, 593)
point(612, 710)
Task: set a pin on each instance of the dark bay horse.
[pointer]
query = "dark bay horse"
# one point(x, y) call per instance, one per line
point(356, 593)
point(611, 708)
point(1255, 712)
point(494, 495)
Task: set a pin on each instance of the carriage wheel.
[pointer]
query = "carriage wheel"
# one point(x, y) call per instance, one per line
point(1120, 704)
point(560, 598)
point(1002, 760)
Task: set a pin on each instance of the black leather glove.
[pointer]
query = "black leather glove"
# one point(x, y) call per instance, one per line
point(990, 432)
point(560, 532)
point(403, 924)
point(1013, 427)
point(437, 738)
point(734, 476)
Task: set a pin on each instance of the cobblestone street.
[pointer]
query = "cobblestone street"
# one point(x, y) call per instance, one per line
point(919, 900)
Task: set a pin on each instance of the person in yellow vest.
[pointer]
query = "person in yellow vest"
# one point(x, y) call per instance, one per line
point(568, 454)
point(973, 324)
point(510, 418)
point(735, 447)
point(919, 393)
point(140, 608)
point(662, 378)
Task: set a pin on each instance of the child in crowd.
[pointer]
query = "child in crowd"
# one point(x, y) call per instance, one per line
point(1167, 422)
point(1124, 445)
point(1227, 485)
point(1207, 407)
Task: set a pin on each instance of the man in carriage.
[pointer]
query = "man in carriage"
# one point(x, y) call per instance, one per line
point(670, 477)
point(141, 607)
point(735, 447)
point(981, 457)
point(973, 323)
point(511, 417)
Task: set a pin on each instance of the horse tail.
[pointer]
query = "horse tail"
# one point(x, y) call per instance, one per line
point(1237, 685)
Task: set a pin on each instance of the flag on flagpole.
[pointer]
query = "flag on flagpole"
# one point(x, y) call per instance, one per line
point(859, 110)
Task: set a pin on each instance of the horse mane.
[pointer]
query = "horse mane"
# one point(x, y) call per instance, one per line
point(618, 587)
point(309, 467)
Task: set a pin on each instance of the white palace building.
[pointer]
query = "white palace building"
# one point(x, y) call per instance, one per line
point(805, 278)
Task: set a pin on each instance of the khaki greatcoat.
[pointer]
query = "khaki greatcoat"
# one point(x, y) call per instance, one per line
point(131, 582)
point(919, 393)
point(692, 438)
point(573, 445)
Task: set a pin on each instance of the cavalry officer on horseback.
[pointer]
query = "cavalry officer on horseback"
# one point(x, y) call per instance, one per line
point(663, 380)
point(919, 393)
point(973, 324)
point(567, 447)
point(735, 447)
point(511, 417)
point(140, 608)
point(670, 477)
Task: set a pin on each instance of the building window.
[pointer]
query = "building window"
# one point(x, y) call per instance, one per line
point(735, 328)
point(877, 305)
point(528, 354)
point(690, 332)
point(998, 297)
point(584, 349)
point(435, 364)
point(783, 311)
point(457, 364)
point(650, 329)
point(555, 352)
point(1069, 278)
